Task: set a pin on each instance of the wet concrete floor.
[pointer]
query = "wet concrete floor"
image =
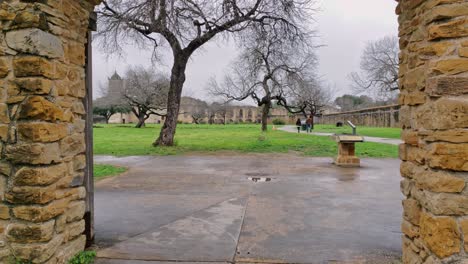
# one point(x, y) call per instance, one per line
point(264, 208)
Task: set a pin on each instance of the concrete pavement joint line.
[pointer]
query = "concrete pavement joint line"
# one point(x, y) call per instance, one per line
point(160, 226)
point(110, 253)
point(242, 224)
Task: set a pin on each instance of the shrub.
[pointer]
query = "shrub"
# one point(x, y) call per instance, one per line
point(84, 257)
point(279, 122)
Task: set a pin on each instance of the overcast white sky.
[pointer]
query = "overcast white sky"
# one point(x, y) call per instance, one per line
point(344, 27)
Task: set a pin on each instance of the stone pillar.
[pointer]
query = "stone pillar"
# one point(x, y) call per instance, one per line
point(42, 77)
point(434, 116)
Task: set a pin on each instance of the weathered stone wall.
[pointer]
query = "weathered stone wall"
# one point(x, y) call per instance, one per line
point(434, 116)
point(42, 77)
point(382, 116)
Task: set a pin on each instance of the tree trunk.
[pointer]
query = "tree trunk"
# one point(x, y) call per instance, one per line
point(166, 136)
point(141, 122)
point(265, 112)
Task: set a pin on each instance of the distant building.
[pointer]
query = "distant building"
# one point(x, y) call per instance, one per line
point(189, 107)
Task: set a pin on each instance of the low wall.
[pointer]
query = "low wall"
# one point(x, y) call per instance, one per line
point(382, 116)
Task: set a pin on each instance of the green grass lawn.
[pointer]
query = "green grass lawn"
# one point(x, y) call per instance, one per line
point(104, 171)
point(124, 140)
point(384, 132)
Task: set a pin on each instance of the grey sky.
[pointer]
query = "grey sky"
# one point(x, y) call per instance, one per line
point(344, 27)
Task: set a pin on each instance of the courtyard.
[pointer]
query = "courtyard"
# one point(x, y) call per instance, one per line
point(248, 208)
point(233, 194)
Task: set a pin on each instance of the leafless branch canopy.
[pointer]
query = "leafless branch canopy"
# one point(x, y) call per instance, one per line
point(379, 68)
point(188, 24)
point(269, 70)
point(314, 94)
point(145, 92)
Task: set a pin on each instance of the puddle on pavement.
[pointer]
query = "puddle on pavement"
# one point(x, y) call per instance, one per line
point(259, 179)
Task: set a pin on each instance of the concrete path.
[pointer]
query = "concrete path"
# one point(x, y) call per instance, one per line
point(207, 209)
point(392, 141)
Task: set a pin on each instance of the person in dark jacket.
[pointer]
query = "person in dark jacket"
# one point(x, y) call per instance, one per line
point(298, 124)
point(310, 123)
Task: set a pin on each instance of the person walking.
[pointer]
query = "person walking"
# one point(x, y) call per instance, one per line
point(309, 123)
point(298, 124)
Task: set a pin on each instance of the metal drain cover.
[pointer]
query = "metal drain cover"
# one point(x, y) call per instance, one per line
point(259, 179)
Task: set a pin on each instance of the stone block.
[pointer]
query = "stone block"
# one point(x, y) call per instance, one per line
point(29, 66)
point(464, 228)
point(75, 211)
point(4, 132)
point(4, 116)
point(4, 212)
point(452, 136)
point(30, 233)
point(463, 52)
point(452, 29)
point(443, 203)
point(5, 168)
point(448, 156)
point(73, 145)
point(35, 153)
point(78, 90)
point(439, 181)
point(409, 229)
point(70, 249)
point(42, 132)
point(451, 66)
point(410, 137)
point(79, 162)
point(442, 12)
point(405, 186)
point(410, 256)
point(435, 49)
point(412, 211)
point(30, 19)
point(75, 53)
point(441, 235)
point(35, 41)
point(31, 195)
point(78, 108)
point(33, 176)
point(38, 252)
point(38, 108)
point(447, 85)
point(35, 85)
point(72, 194)
point(444, 114)
point(4, 67)
point(41, 213)
point(73, 230)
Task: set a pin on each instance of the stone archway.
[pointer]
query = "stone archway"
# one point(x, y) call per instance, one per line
point(43, 123)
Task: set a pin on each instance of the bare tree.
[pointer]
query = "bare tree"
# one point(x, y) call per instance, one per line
point(314, 95)
point(267, 71)
point(146, 93)
point(379, 68)
point(217, 109)
point(108, 110)
point(186, 25)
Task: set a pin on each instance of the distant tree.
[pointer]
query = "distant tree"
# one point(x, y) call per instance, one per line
point(107, 111)
point(267, 71)
point(188, 25)
point(314, 95)
point(351, 102)
point(198, 111)
point(379, 68)
point(217, 109)
point(146, 93)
